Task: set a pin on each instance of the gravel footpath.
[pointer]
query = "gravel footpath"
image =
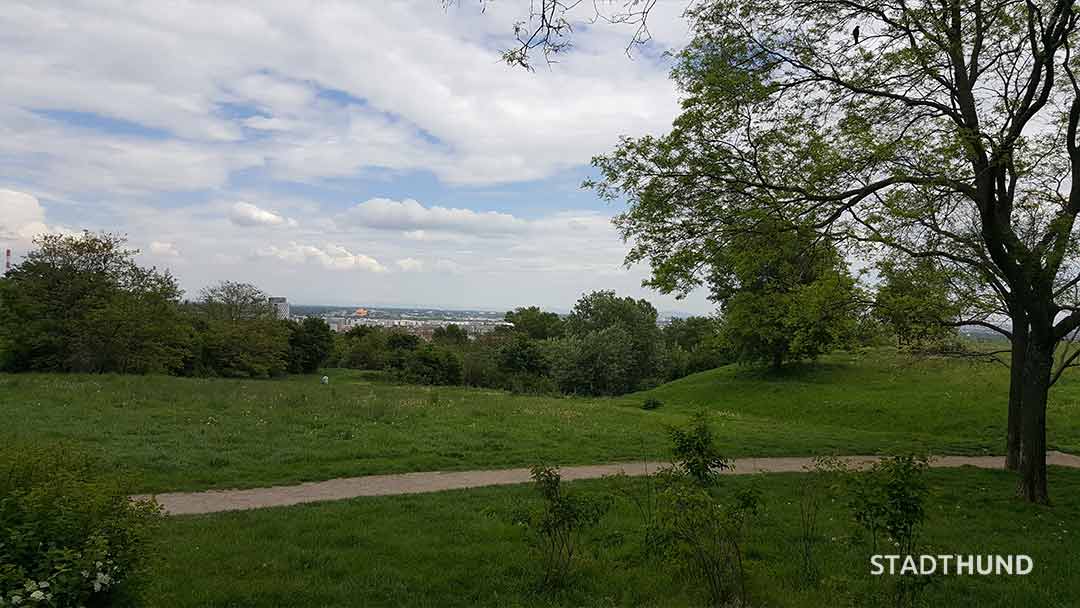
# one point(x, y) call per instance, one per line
point(213, 501)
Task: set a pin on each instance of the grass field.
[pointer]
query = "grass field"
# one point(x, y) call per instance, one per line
point(185, 434)
point(461, 549)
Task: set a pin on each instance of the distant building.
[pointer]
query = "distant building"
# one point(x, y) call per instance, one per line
point(280, 306)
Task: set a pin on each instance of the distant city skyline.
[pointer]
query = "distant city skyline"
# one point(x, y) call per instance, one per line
point(270, 143)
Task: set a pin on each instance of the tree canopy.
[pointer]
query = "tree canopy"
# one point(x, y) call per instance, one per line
point(943, 131)
point(82, 303)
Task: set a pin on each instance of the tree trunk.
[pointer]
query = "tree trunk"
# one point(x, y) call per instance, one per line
point(1014, 435)
point(1038, 361)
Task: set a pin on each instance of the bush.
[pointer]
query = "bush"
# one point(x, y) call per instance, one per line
point(365, 349)
point(310, 344)
point(69, 535)
point(245, 348)
point(430, 364)
point(651, 403)
point(559, 523)
point(695, 451)
point(890, 499)
point(708, 536)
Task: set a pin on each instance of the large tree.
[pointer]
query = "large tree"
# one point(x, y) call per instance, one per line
point(944, 130)
point(785, 294)
point(930, 130)
point(82, 303)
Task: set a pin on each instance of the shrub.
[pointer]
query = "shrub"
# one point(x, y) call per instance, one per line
point(430, 364)
point(69, 535)
point(695, 451)
point(481, 368)
point(522, 354)
point(651, 403)
point(365, 349)
point(708, 536)
point(310, 344)
point(558, 524)
point(890, 499)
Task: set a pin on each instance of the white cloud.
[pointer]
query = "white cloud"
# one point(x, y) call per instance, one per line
point(21, 216)
point(449, 266)
point(333, 257)
point(247, 214)
point(422, 89)
point(416, 219)
point(164, 249)
point(196, 106)
point(410, 265)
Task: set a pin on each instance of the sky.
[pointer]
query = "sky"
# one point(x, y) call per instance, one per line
point(369, 153)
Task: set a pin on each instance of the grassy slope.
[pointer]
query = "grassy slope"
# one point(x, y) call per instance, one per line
point(179, 433)
point(459, 549)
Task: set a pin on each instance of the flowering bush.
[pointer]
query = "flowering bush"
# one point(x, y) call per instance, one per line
point(69, 535)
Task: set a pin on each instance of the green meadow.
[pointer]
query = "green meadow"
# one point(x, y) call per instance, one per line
point(193, 433)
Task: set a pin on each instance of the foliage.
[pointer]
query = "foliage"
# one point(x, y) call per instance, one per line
point(557, 526)
point(234, 301)
point(890, 499)
point(363, 347)
point(237, 348)
point(922, 140)
point(451, 335)
point(915, 300)
point(535, 323)
point(600, 319)
point(784, 294)
point(522, 354)
point(431, 364)
point(709, 536)
point(69, 535)
point(644, 494)
point(310, 344)
point(695, 451)
point(600, 364)
point(651, 403)
point(693, 345)
point(81, 303)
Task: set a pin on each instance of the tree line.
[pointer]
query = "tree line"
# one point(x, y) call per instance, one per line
point(81, 303)
point(607, 345)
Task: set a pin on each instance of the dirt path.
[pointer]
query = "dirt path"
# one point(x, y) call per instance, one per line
point(212, 501)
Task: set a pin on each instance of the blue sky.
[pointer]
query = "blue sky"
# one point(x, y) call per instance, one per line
point(333, 152)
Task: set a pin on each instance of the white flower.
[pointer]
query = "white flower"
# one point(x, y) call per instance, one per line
point(37, 596)
point(43, 585)
point(16, 600)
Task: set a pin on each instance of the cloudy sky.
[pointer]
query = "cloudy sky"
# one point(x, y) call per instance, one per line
point(357, 152)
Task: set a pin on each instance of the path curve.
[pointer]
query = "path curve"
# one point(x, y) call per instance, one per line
point(213, 501)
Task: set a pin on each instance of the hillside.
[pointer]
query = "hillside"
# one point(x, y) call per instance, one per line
point(183, 433)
